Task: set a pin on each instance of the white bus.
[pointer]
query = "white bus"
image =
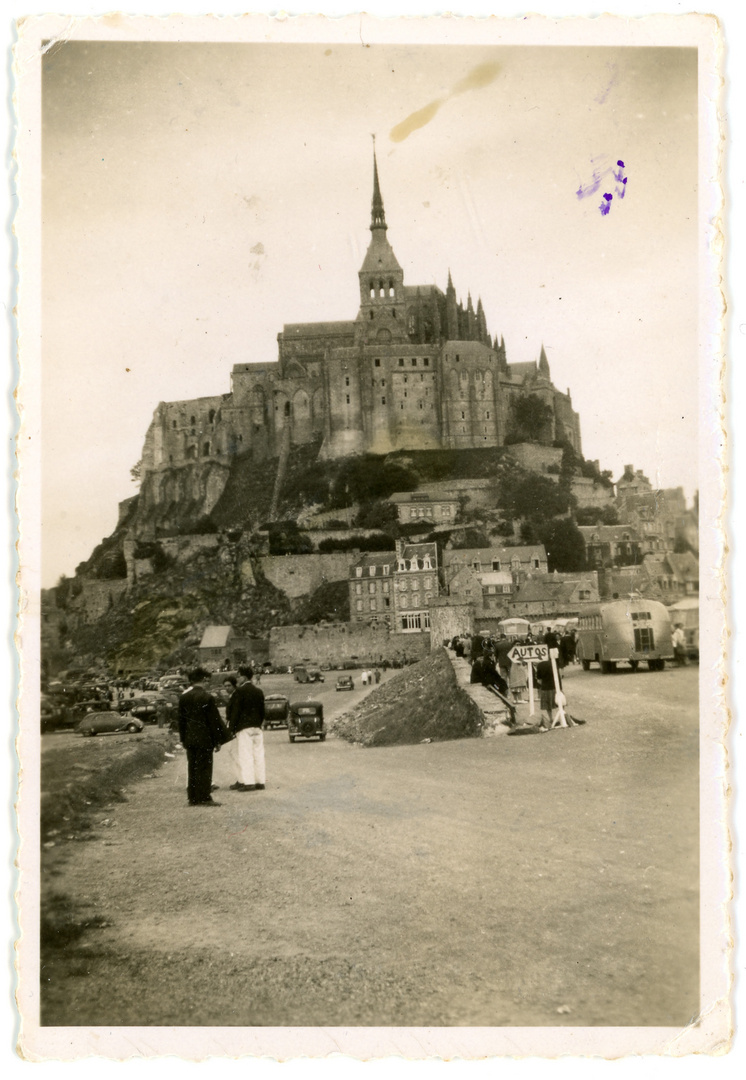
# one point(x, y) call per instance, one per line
point(625, 631)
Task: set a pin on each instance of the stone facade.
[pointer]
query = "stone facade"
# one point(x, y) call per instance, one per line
point(415, 369)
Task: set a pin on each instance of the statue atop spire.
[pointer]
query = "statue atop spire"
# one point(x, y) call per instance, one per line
point(377, 214)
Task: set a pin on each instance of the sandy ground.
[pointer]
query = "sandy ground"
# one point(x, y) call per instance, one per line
point(478, 882)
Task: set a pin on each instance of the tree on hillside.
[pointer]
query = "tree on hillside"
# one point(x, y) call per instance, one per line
point(363, 479)
point(136, 472)
point(564, 545)
point(532, 417)
point(527, 495)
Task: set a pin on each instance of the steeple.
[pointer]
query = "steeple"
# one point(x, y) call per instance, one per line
point(544, 363)
point(377, 213)
point(451, 311)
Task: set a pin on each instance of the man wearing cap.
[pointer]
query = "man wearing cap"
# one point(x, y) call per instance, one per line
point(200, 732)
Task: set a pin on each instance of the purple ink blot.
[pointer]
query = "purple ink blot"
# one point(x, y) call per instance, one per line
point(625, 180)
point(604, 208)
point(620, 163)
point(608, 198)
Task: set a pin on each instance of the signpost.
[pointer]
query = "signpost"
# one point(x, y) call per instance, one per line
point(529, 655)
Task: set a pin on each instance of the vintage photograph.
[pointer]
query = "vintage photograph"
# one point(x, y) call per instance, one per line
point(373, 406)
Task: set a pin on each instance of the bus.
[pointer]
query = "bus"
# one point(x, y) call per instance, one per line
point(625, 631)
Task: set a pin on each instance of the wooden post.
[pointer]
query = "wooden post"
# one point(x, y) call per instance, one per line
point(553, 654)
point(531, 709)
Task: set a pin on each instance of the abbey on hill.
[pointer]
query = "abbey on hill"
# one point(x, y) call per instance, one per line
point(415, 370)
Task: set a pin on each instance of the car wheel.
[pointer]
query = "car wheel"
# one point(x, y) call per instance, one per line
point(291, 737)
point(322, 737)
point(634, 664)
point(87, 734)
point(132, 728)
point(586, 665)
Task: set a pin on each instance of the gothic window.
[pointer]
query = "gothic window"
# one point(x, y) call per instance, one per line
point(348, 398)
point(211, 416)
point(383, 400)
point(422, 378)
point(371, 315)
point(406, 379)
point(194, 431)
point(405, 393)
point(391, 288)
point(488, 415)
point(463, 415)
point(347, 380)
point(393, 312)
point(426, 361)
point(170, 459)
point(206, 450)
point(383, 382)
point(192, 420)
point(420, 404)
point(287, 408)
point(401, 361)
point(412, 324)
point(372, 290)
point(173, 423)
point(377, 362)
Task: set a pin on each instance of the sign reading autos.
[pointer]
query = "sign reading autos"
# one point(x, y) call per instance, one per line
point(529, 654)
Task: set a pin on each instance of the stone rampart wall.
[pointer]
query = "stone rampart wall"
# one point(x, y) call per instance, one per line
point(300, 575)
point(340, 643)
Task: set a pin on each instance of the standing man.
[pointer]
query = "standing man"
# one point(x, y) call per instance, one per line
point(544, 679)
point(678, 641)
point(245, 714)
point(200, 733)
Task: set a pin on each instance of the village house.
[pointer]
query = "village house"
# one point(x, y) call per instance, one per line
point(372, 589)
point(556, 596)
point(415, 586)
point(611, 545)
point(421, 506)
point(489, 589)
point(523, 560)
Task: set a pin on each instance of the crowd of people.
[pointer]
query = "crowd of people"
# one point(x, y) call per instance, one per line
point(492, 667)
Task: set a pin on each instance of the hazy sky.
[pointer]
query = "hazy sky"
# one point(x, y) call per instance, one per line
point(196, 197)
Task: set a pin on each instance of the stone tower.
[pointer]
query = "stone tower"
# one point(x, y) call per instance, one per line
point(382, 315)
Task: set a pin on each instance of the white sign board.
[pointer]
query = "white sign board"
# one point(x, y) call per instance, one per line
point(524, 654)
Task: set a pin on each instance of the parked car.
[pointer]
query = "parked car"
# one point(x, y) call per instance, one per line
point(306, 721)
point(97, 723)
point(345, 682)
point(315, 674)
point(144, 709)
point(276, 709)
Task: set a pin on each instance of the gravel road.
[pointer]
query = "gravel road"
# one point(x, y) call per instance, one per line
point(477, 882)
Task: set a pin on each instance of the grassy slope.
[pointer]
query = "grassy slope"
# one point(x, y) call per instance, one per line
point(421, 702)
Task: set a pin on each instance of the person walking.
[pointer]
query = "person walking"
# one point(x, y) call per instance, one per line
point(200, 732)
point(245, 715)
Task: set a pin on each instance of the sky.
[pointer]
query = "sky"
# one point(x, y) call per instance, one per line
point(196, 197)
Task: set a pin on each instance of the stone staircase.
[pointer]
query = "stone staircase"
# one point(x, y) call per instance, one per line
point(494, 712)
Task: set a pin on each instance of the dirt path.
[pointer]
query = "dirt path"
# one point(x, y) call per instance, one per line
point(478, 882)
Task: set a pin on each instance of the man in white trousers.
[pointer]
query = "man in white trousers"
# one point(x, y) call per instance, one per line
point(245, 716)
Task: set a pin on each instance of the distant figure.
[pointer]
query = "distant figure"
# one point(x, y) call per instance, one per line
point(678, 641)
point(377, 675)
point(200, 732)
point(245, 715)
point(459, 648)
point(503, 647)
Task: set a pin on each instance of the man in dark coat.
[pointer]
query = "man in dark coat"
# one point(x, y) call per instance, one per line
point(245, 715)
point(200, 731)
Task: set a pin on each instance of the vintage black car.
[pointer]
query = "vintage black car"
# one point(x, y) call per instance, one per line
point(345, 682)
point(97, 723)
point(276, 709)
point(306, 721)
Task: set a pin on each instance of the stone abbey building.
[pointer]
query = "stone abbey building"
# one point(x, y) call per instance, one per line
point(415, 369)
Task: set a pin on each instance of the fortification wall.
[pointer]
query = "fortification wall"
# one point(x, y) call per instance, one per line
point(95, 598)
point(536, 457)
point(447, 620)
point(340, 643)
point(300, 575)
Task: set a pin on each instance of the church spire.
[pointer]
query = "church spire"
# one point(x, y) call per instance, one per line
point(377, 214)
point(544, 363)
